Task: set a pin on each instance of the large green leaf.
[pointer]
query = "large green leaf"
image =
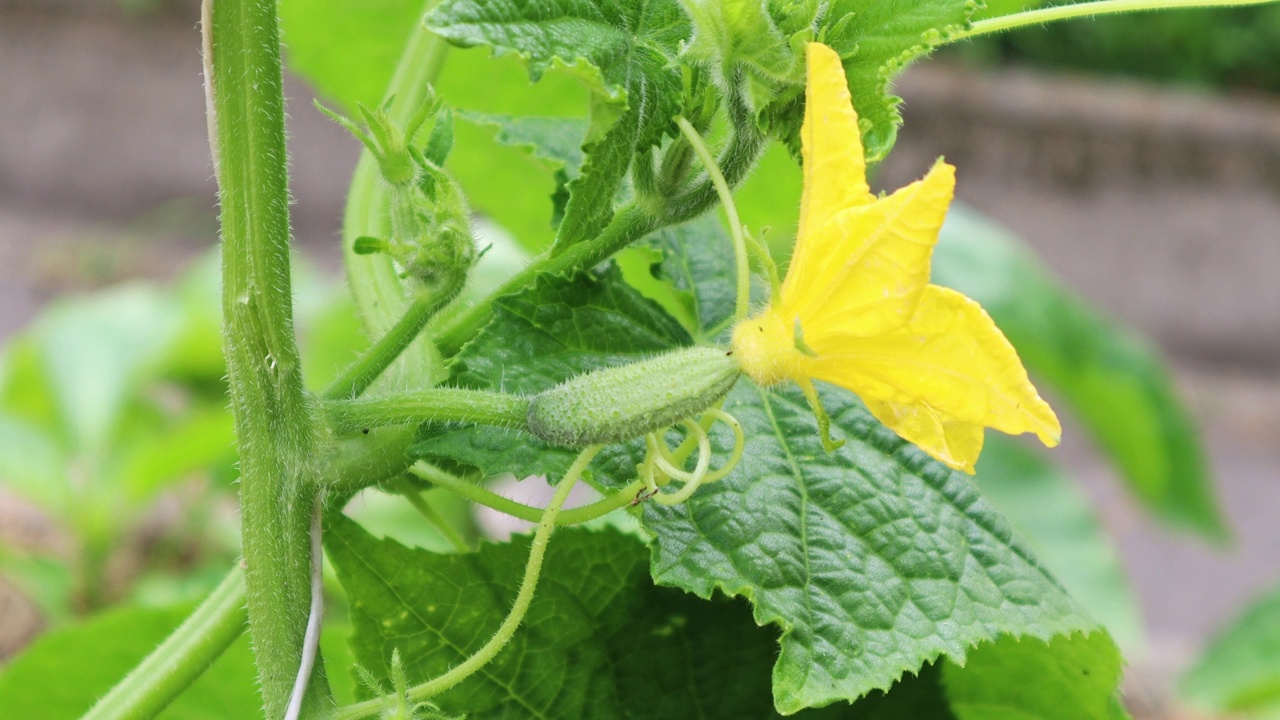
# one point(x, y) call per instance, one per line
point(627, 51)
point(599, 641)
point(1052, 513)
point(1112, 380)
point(348, 49)
point(537, 339)
point(873, 559)
point(1241, 669)
point(877, 39)
point(1073, 677)
point(64, 672)
point(405, 599)
point(556, 141)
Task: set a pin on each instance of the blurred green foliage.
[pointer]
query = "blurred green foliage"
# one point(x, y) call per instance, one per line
point(114, 431)
point(1234, 49)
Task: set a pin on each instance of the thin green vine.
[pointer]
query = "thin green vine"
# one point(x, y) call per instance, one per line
point(369, 366)
point(630, 223)
point(482, 496)
point(524, 597)
point(181, 658)
point(742, 268)
point(1087, 9)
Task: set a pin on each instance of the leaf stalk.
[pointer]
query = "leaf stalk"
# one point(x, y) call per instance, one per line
point(432, 405)
point(743, 269)
point(1087, 9)
point(483, 496)
point(182, 658)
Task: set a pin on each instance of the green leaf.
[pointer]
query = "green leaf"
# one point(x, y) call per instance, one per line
point(348, 49)
point(1055, 518)
point(505, 182)
point(1113, 381)
point(1241, 669)
point(188, 443)
point(33, 466)
point(94, 352)
point(1073, 677)
point(64, 672)
point(697, 259)
point(539, 338)
point(877, 39)
point(626, 51)
point(554, 140)
point(872, 560)
point(562, 327)
point(599, 641)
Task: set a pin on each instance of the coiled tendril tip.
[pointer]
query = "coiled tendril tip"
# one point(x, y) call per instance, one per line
point(661, 464)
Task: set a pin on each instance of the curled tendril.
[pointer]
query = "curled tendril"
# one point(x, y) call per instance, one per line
point(662, 464)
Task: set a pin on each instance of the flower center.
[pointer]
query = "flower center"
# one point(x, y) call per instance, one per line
point(765, 347)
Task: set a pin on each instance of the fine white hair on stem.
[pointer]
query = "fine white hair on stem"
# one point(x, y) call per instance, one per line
point(206, 60)
point(310, 641)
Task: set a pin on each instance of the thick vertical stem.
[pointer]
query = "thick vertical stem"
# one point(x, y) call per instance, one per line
point(275, 426)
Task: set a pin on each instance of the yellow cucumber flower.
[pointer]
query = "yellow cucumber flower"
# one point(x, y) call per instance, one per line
point(857, 310)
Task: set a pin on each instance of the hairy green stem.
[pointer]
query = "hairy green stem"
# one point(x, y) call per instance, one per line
point(482, 496)
point(1087, 9)
point(431, 515)
point(180, 659)
point(743, 304)
point(379, 292)
point(434, 405)
point(276, 432)
point(524, 597)
point(745, 145)
point(359, 461)
point(360, 375)
point(630, 223)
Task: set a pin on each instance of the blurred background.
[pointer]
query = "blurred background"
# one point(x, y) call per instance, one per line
point(1138, 156)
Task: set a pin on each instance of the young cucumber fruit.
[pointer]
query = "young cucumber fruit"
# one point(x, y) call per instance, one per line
point(625, 402)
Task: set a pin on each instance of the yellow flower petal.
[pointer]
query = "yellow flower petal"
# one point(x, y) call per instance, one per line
point(950, 359)
point(835, 171)
point(857, 310)
point(957, 444)
point(875, 262)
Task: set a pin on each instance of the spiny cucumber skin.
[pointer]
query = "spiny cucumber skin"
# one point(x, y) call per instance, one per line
point(618, 404)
